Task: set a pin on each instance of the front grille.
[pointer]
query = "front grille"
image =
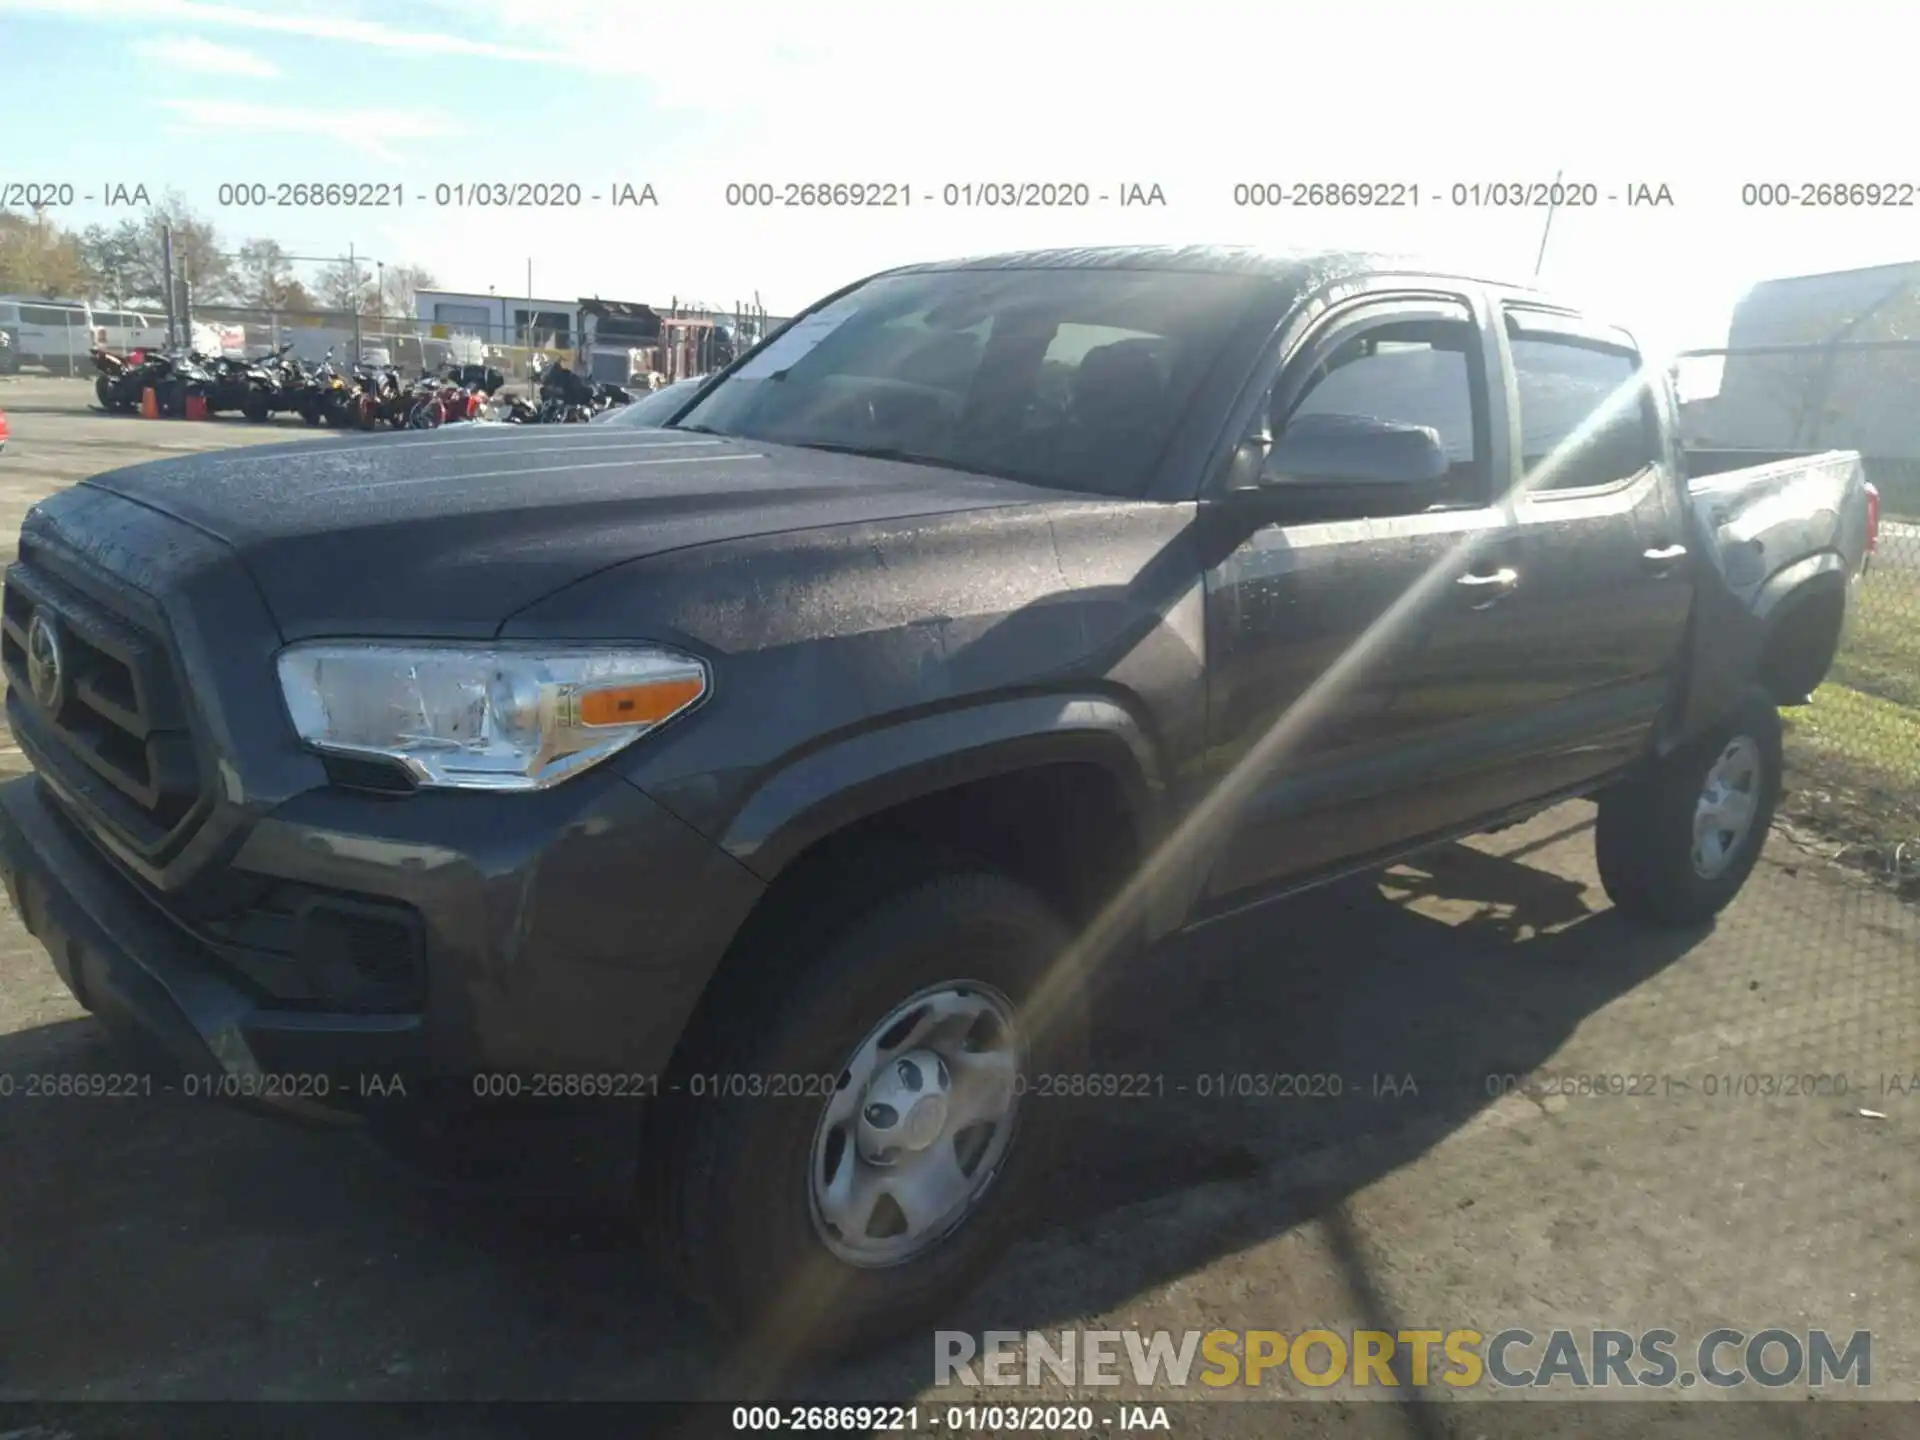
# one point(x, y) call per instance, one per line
point(107, 714)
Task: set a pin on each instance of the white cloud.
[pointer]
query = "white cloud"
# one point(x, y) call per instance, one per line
point(331, 24)
point(203, 57)
point(360, 129)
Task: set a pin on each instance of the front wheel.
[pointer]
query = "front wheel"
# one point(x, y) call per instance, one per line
point(865, 1136)
point(1676, 843)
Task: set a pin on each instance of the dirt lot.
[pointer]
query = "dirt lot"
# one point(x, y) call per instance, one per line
point(166, 1249)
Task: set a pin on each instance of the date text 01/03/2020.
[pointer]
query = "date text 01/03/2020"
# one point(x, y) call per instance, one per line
point(964, 195)
point(1459, 195)
point(950, 1419)
point(1075, 1085)
point(464, 195)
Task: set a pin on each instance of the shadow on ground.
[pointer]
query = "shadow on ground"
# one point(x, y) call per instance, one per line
point(167, 1248)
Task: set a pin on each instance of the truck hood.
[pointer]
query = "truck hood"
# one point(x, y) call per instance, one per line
point(448, 535)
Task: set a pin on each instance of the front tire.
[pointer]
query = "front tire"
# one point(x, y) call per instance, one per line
point(907, 1141)
point(1676, 843)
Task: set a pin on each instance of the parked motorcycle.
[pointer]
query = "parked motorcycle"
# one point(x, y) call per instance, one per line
point(116, 387)
point(249, 386)
point(566, 398)
point(482, 378)
point(608, 396)
point(273, 384)
point(328, 396)
point(441, 400)
point(124, 380)
point(379, 397)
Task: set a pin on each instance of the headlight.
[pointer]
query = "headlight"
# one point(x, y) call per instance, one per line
point(477, 718)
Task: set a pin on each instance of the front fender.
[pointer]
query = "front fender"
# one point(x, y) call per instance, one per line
point(850, 779)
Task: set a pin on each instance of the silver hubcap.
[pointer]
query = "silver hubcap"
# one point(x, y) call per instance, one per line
point(1724, 813)
point(919, 1125)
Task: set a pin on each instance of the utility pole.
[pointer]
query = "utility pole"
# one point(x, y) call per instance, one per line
point(353, 278)
point(1553, 204)
point(166, 264)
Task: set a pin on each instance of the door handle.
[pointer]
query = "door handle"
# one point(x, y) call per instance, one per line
point(1490, 587)
point(1665, 558)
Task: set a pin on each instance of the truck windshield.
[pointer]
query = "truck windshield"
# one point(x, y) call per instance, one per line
point(1072, 379)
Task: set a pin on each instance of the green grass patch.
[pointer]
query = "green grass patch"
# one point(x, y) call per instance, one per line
point(1868, 731)
point(1881, 653)
point(1853, 755)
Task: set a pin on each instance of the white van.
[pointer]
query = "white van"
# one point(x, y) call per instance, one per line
point(54, 333)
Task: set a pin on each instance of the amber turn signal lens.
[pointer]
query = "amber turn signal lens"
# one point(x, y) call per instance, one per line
point(639, 704)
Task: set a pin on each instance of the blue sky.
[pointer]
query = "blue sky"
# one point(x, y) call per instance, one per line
point(191, 94)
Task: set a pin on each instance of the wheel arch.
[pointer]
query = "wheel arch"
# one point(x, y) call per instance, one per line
point(1803, 614)
point(1733, 641)
point(1062, 793)
point(853, 779)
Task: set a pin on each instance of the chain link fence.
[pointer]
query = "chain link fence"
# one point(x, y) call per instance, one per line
point(1854, 753)
point(688, 342)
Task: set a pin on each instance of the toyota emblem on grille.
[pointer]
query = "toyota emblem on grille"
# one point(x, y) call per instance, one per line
point(46, 666)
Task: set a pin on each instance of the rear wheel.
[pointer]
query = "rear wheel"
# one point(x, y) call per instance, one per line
point(1676, 843)
point(859, 1145)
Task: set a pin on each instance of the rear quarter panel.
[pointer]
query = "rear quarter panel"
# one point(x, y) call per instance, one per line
point(1767, 520)
point(1769, 531)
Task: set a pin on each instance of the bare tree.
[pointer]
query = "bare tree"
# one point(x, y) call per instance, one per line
point(403, 283)
point(116, 261)
point(1817, 395)
point(128, 262)
point(197, 255)
point(347, 285)
point(263, 276)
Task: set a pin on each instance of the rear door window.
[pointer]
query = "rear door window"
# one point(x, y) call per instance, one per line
point(1586, 419)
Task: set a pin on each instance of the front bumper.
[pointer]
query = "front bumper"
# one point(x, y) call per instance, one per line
point(569, 936)
point(141, 978)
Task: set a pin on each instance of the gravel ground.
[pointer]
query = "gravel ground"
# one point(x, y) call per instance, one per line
point(163, 1248)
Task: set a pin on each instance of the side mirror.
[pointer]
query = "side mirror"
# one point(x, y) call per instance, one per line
point(1355, 450)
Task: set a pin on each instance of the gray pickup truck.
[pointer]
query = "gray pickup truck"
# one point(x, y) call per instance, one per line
point(779, 783)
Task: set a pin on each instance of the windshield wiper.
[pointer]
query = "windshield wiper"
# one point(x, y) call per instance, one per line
point(697, 430)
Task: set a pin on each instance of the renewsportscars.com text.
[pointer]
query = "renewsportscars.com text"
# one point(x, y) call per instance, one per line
point(1515, 1358)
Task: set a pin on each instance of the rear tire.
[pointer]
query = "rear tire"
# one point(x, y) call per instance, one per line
point(740, 1180)
point(1676, 842)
